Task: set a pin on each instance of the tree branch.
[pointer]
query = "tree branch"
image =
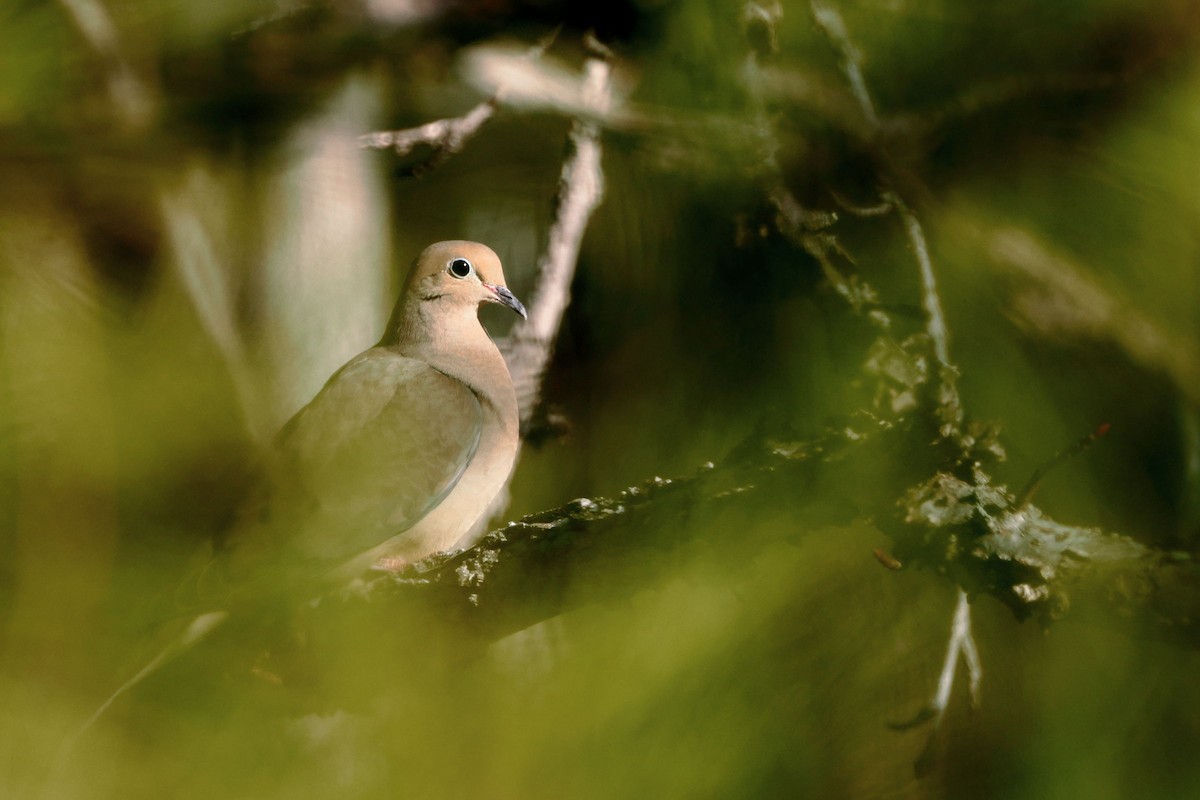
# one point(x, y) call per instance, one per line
point(963, 527)
point(447, 136)
point(131, 98)
point(529, 345)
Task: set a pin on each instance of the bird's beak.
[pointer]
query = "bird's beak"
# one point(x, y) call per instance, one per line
point(506, 298)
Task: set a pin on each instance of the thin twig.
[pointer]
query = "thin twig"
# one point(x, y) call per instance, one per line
point(805, 227)
point(204, 278)
point(581, 188)
point(949, 407)
point(935, 319)
point(447, 136)
point(829, 19)
point(962, 644)
point(1035, 482)
point(877, 210)
point(196, 631)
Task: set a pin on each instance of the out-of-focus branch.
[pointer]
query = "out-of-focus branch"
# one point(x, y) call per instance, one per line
point(447, 136)
point(130, 96)
point(949, 409)
point(979, 99)
point(829, 19)
point(961, 645)
point(806, 228)
point(947, 405)
point(206, 282)
point(529, 346)
point(596, 550)
point(1056, 297)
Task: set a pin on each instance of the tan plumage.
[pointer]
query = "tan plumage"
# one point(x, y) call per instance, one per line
point(400, 454)
point(406, 446)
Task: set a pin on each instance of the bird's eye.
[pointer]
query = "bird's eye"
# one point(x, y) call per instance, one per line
point(460, 268)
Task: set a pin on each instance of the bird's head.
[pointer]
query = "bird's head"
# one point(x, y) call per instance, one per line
point(464, 273)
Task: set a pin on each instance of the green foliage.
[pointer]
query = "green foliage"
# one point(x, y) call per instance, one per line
point(179, 273)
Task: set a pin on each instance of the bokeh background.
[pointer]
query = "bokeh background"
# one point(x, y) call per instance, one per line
point(192, 239)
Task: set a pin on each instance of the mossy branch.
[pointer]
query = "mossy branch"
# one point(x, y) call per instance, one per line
point(955, 522)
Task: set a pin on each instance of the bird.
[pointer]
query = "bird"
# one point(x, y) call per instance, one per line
point(404, 449)
point(400, 454)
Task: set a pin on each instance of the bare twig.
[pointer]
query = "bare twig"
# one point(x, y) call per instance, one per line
point(962, 645)
point(877, 210)
point(948, 404)
point(283, 10)
point(204, 278)
point(1055, 296)
point(447, 136)
point(805, 227)
point(1035, 481)
point(195, 631)
point(935, 318)
point(829, 19)
point(581, 188)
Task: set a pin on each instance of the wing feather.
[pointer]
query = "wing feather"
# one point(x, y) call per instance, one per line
point(382, 444)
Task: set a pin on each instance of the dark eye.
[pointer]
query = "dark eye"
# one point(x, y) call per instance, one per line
point(460, 268)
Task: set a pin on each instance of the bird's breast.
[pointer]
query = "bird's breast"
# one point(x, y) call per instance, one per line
point(471, 498)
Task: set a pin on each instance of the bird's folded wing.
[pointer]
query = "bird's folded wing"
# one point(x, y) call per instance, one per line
point(378, 448)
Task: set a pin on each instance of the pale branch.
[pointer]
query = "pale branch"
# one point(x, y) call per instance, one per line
point(961, 645)
point(447, 136)
point(283, 10)
point(206, 282)
point(830, 21)
point(878, 210)
point(948, 408)
point(1056, 297)
point(806, 228)
point(935, 318)
point(947, 404)
point(132, 99)
point(529, 345)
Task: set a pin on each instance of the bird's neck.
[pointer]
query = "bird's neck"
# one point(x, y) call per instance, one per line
point(451, 339)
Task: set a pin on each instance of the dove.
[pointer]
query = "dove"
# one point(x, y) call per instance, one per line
point(400, 454)
point(406, 446)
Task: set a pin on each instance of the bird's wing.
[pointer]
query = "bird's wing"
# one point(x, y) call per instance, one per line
point(378, 448)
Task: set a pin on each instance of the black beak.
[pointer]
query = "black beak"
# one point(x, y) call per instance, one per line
point(506, 298)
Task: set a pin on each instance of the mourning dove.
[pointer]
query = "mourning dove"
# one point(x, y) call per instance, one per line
point(400, 454)
point(408, 444)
